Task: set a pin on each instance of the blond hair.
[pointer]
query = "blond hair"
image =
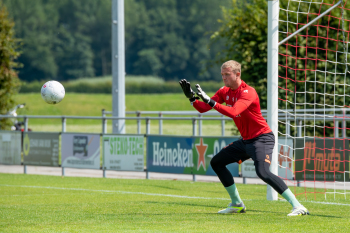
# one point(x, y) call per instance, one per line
point(235, 66)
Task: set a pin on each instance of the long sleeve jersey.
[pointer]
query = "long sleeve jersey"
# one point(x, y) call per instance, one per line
point(243, 106)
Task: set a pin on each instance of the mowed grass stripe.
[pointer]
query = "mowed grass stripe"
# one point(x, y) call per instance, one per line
point(75, 104)
point(83, 210)
point(80, 104)
point(150, 194)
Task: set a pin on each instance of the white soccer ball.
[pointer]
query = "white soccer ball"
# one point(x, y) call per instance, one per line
point(52, 92)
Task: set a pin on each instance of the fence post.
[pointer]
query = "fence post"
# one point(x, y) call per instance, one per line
point(64, 125)
point(25, 124)
point(344, 124)
point(138, 114)
point(148, 126)
point(245, 180)
point(104, 126)
point(336, 129)
point(300, 123)
point(63, 131)
point(194, 127)
point(160, 124)
point(194, 133)
point(147, 174)
point(104, 122)
point(25, 169)
point(223, 126)
point(200, 125)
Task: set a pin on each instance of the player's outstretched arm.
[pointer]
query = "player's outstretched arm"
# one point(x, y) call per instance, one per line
point(240, 106)
point(205, 97)
point(186, 88)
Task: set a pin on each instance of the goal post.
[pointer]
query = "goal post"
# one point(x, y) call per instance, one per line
point(309, 94)
point(272, 86)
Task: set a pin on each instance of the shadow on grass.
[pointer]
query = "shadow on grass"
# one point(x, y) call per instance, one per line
point(210, 206)
point(311, 215)
point(163, 187)
point(221, 192)
point(248, 209)
point(181, 204)
point(325, 216)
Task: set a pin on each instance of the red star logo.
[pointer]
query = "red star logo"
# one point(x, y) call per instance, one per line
point(201, 149)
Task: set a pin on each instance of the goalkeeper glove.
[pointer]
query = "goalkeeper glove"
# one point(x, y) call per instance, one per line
point(204, 96)
point(189, 93)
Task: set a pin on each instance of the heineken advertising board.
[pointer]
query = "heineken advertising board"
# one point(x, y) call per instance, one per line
point(80, 150)
point(10, 147)
point(123, 153)
point(185, 155)
point(322, 159)
point(204, 149)
point(40, 149)
point(169, 154)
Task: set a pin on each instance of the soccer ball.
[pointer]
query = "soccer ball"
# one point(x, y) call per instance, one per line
point(52, 92)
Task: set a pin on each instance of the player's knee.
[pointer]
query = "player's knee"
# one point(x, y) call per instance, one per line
point(263, 174)
point(215, 162)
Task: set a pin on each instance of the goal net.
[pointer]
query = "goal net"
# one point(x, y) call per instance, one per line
point(314, 98)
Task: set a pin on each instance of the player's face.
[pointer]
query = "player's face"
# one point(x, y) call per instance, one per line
point(229, 77)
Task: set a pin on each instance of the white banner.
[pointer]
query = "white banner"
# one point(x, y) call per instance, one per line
point(248, 169)
point(285, 158)
point(80, 150)
point(285, 161)
point(10, 147)
point(123, 153)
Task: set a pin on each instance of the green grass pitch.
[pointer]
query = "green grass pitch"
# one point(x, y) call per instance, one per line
point(34, 203)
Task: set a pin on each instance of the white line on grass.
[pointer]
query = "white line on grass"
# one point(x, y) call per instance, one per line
point(117, 191)
point(30, 195)
point(319, 202)
point(149, 194)
point(327, 203)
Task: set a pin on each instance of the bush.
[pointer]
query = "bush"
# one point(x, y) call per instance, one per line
point(9, 52)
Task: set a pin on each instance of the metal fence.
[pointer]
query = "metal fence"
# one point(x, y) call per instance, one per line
point(197, 119)
point(285, 117)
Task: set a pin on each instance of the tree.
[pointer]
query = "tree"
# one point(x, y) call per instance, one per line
point(9, 52)
point(35, 22)
point(73, 42)
point(170, 38)
point(56, 39)
point(69, 39)
point(100, 32)
point(200, 19)
point(244, 29)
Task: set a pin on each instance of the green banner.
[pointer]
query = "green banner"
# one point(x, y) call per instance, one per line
point(40, 149)
point(322, 159)
point(204, 149)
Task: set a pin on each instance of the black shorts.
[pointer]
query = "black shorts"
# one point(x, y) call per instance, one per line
point(259, 149)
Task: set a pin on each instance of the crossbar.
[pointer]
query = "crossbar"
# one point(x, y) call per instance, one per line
point(311, 22)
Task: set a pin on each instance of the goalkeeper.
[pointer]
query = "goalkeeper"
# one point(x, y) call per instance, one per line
point(243, 106)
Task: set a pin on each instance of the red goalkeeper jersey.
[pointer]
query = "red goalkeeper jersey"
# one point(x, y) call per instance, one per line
point(243, 106)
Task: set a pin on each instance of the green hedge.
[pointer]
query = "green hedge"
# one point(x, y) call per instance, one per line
point(130, 88)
